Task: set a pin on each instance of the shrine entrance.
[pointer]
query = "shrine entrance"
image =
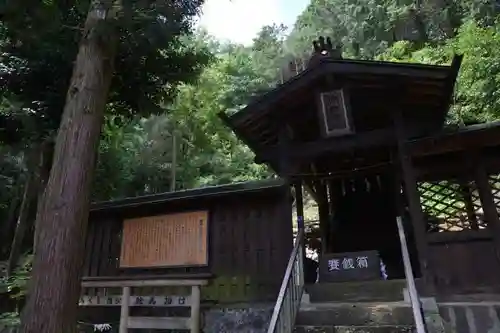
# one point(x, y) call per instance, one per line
point(362, 212)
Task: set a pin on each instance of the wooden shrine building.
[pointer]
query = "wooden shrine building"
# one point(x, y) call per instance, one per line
point(368, 140)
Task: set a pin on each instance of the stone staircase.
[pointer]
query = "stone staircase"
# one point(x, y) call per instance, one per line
point(355, 307)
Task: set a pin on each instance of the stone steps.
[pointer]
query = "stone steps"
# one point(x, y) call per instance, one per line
point(362, 291)
point(355, 314)
point(355, 307)
point(357, 329)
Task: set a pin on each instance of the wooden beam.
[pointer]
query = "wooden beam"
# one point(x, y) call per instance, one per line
point(455, 142)
point(345, 172)
point(488, 204)
point(413, 198)
point(124, 311)
point(142, 301)
point(299, 202)
point(185, 276)
point(159, 323)
point(323, 215)
point(457, 165)
point(339, 144)
point(240, 135)
point(462, 236)
point(447, 97)
point(195, 309)
point(142, 283)
point(422, 147)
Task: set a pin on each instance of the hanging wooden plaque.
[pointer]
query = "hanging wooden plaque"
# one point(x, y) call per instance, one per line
point(165, 241)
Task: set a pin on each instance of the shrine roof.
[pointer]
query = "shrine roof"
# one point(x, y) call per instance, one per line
point(377, 88)
point(203, 193)
point(454, 138)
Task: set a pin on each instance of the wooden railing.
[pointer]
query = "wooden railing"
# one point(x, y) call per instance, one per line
point(191, 323)
point(292, 287)
point(416, 305)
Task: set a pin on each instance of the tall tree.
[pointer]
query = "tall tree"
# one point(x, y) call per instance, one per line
point(62, 217)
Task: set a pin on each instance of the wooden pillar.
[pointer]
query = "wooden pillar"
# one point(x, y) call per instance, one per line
point(415, 207)
point(488, 203)
point(466, 194)
point(323, 216)
point(332, 189)
point(285, 167)
point(124, 311)
point(299, 202)
point(195, 309)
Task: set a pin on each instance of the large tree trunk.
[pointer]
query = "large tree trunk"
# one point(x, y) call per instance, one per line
point(62, 218)
point(47, 154)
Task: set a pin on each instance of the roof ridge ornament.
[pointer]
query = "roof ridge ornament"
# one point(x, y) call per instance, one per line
point(324, 49)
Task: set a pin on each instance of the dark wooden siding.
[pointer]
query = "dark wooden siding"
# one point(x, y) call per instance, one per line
point(465, 266)
point(461, 202)
point(250, 239)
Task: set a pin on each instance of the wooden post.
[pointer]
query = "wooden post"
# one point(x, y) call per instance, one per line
point(465, 192)
point(124, 310)
point(285, 168)
point(488, 203)
point(299, 201)
point(415, 206)
point(300, 214)
point(323, 216)
point(195, 309)
point(173, 172)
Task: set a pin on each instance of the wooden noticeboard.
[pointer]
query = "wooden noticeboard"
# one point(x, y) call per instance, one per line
point(165, 241)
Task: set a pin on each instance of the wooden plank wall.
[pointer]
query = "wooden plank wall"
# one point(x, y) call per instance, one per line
point(462, 267)
point(464, 244)
point(250, 239)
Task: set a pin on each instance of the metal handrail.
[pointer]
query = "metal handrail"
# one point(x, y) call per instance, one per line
point(292, 287)
point(416, 305)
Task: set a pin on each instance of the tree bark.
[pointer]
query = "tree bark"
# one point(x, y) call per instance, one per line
point(62, 217)
point(44, 167)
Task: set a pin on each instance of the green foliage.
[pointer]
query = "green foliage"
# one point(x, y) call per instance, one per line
point(9, 319)
point(477, 97)
point(368, 27)
point(207, 152)
point(16, 284)
point(15, 287)
point(40, 42)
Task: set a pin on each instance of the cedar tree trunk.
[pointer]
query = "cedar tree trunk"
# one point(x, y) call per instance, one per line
point(47, 153)
point(62, 217)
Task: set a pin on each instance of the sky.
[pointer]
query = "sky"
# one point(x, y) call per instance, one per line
point(240, 20)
